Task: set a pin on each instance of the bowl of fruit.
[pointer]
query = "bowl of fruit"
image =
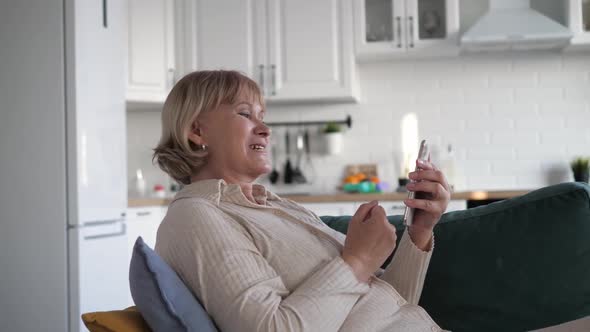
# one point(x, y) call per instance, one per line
point(363, 179)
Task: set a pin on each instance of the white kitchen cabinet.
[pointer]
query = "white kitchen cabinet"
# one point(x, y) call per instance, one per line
point(579, 22)
point(456, 205)
point(393, 208)
point(151, 69)
point(223, 34)
point(310, 50)
point(297, 50)
point(405, 28)
point(331, 209)
point(144, 222)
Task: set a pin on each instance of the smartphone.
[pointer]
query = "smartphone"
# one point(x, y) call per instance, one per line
point(409, 212)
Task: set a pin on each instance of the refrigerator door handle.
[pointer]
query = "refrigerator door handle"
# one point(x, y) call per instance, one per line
point(121, 230)
point(101, 223)
point(96, 223)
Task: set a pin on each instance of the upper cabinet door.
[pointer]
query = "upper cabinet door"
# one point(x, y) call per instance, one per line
point(151, 68)
point(310, 51)
point(296, 50)
point(405, 28)
point(579, 21)
point(432, 24)
point(380, 27)
point(226, 36)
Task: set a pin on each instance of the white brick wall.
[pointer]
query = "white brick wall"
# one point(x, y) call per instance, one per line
point(143, 133)
point(515, 120)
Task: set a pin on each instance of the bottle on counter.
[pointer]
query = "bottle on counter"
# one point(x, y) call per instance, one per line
point(139, 185)
point(449, 167)
point(159, 191)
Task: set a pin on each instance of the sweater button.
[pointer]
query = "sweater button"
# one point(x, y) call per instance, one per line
point(434, 328)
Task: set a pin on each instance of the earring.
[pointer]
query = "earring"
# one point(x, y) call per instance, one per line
point(202, 147)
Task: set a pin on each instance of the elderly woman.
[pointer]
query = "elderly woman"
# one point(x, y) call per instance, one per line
point(259, 262)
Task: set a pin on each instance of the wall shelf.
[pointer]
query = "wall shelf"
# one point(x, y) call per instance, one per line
point(347, 122)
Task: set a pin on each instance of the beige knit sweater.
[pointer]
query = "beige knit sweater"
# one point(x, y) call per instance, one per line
point(275, 266)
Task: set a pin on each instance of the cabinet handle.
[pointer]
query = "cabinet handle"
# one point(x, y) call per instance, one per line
point(105, 22)
point(171, 77)
point(411, 29)
point(273, 70)
point(399, 31)
point(143, 213)
point(261, 79)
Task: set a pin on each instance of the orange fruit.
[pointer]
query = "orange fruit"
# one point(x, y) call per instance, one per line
point(351, 179)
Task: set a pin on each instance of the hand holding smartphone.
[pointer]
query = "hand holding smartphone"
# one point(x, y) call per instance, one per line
point(409, 212)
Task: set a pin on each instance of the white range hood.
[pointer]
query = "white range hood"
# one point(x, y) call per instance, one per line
point(514, 25)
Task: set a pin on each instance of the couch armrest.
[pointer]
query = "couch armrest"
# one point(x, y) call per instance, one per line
point(518, 264)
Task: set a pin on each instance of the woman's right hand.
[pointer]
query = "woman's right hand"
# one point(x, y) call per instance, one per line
point(370, 239)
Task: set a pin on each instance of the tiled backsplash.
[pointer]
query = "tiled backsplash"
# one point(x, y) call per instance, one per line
point(515, 120)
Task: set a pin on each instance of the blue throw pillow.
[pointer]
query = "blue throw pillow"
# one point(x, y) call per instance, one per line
point(162, 298)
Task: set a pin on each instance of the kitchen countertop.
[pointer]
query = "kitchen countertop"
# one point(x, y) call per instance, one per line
point(343, 197)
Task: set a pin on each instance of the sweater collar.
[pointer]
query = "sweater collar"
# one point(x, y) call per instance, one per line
point(217, 190)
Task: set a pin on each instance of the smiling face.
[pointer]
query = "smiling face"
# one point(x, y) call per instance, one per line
point(236, 138)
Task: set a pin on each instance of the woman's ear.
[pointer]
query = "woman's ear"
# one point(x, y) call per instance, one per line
point(195, 135)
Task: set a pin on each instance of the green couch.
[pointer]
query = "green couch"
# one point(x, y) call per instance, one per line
point(515, 265)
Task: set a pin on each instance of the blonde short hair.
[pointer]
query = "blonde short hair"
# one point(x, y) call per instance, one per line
point(200, 91)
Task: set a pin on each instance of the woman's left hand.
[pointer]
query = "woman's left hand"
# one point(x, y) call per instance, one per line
point(431, 200)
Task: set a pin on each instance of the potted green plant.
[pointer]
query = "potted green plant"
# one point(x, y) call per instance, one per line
point(581, 169)
point(333, 138)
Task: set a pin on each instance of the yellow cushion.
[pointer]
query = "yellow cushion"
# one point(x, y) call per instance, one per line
point(129, 320)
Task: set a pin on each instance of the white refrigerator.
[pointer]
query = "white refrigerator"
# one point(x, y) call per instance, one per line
point(63, 192)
